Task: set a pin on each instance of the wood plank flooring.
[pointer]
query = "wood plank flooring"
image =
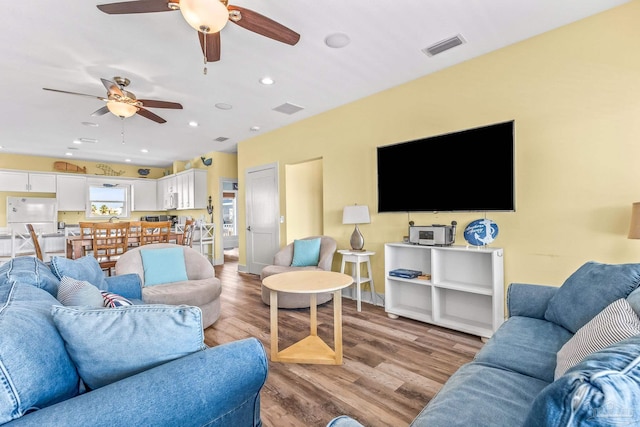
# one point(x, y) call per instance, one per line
point(391, 369)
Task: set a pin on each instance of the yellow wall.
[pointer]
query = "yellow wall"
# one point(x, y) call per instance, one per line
point(303, 216)
point(574, 94)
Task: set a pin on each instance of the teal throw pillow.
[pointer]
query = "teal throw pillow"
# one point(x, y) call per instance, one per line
point(164, 265)
point(85, 268)
point(602, 390)
point(107, 345)
point(306, 253)
point(79, 292)
point(588, 291)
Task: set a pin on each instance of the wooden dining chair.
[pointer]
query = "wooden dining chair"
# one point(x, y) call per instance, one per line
point(187, 234)
point(155, 232)
point(110, 241)
point(135, 231)
point(36, 244)
point(86, 231)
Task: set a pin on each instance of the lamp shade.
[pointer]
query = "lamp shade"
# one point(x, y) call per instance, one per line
point(356, 214)
point(634, 227)
point(206, 16)
point(121, 109)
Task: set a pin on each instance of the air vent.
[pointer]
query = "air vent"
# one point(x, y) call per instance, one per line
point(221, 139)
point(288, 108)
point(443, 45)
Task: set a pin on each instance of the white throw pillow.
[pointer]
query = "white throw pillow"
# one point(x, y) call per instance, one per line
point(615, 323)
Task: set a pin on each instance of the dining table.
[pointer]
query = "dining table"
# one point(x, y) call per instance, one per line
point(78, 246)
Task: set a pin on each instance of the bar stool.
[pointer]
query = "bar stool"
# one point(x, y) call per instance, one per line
point(356, 258)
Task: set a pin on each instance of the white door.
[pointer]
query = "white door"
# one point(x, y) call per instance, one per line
point(263, 211)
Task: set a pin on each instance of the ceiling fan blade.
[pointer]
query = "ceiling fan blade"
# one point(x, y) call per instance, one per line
point(213, 45)
point(76, 93)
point(151, 116)
point(100, 112)
point(142, 6)
point(260, 24)
point(150, 103)
point(112, 88)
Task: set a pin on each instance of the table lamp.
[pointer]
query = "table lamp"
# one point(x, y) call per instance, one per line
point(356, 214)
point(634, 227)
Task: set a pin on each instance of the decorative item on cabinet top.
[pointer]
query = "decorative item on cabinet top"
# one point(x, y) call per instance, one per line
point(481, 232)
point(205, 161)
point(68, 167)
point(144, 172)
point(107, 170)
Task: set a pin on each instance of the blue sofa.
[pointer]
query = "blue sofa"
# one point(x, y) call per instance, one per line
point(591, 321)
point(43, 375)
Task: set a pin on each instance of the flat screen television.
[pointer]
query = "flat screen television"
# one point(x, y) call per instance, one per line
point(469, 170)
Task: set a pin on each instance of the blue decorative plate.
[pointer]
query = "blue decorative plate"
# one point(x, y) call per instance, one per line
point(481, 232)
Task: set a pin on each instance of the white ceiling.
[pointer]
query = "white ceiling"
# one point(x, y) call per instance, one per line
point(69, 45)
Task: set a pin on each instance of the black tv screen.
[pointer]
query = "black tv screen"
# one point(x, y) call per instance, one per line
point(469, 170)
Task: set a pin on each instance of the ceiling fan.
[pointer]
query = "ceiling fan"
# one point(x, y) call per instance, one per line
point(123, 103)
point(208, 17)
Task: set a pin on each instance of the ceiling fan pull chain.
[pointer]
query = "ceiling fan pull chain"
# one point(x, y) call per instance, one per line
point(122, 132)
point(205, 53)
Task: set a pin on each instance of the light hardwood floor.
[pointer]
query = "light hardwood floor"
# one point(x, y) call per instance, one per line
point(391, 368)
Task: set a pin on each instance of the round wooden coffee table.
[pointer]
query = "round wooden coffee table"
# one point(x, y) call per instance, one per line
point(311, 349)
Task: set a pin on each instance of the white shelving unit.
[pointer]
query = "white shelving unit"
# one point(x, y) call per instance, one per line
point(465, 292)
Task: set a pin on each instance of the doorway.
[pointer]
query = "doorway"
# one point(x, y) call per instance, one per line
point(229, 218)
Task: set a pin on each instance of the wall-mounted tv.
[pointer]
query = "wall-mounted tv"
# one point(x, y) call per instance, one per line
point(469, 170)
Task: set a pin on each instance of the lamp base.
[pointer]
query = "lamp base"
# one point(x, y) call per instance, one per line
point(357, 240)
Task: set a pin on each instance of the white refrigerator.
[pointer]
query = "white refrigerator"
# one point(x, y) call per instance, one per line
point(41, 212)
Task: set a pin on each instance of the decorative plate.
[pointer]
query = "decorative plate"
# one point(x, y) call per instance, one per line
point(481, 232)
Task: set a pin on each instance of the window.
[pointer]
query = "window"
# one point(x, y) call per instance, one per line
point(109, 201)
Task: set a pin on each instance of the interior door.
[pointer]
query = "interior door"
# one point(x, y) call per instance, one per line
point(263, 212)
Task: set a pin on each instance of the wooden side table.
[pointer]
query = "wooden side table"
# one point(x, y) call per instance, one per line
point(356, 258)
point(311, 349)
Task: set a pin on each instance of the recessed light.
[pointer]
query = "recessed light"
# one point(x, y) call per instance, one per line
point(127, 160)
point(254, 128)
point(77, 141)
point(91, 124)
point(223, 106)
point(144, 150)
point(68, 154)
point(267, 80)
point(337, 40)
point(193, 124)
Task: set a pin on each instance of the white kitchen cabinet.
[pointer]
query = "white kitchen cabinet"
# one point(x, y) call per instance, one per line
point(167, 193)
point(71, 192)
point(144, 195)
point(465, 291)
point(192, 189)
point(35, 182)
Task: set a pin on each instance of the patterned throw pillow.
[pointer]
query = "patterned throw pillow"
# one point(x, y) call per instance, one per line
point(613, 324)
point(79, 293)
point(114, 300)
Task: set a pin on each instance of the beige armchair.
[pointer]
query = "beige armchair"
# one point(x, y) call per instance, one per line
point(282, 263)
point(202, 289)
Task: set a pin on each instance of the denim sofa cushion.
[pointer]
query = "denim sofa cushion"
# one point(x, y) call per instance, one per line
point(108, 344)
point(525, 345)
point(86, 268)
point(634, 301)
point(463, 400)
point(35, 369)
point(31, 270)
point(589, 290)
point(602, 390)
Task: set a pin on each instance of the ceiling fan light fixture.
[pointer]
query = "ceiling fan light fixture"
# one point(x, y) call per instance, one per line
point(121, 109)
point(206, 16)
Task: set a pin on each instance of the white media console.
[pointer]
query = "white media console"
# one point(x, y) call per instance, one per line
point(465, 292)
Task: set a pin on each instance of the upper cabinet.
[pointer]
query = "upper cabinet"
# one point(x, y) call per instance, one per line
point(192, 189)
point(71, 192)
point(34, 182)
point(144, 195)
